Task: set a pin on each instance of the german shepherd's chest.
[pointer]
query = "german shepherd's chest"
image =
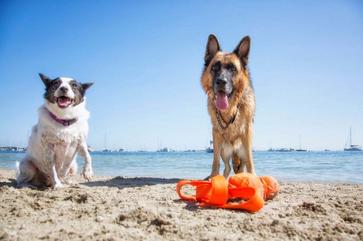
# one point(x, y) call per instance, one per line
point(234, 124)
point(228, 129)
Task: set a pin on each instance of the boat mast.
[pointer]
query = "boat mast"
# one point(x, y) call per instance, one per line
point(105, 141)
point(350, 137)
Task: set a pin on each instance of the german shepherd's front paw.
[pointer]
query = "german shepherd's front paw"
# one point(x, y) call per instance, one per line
point(207, 178)
point(211, 175)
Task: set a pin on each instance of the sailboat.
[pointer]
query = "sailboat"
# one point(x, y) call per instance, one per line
point(210, 148)
point(350, 146)
point(300, 146)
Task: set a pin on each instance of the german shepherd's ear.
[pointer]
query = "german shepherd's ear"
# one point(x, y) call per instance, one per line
point(242, 50)
point(211, 50)
point(46, 80)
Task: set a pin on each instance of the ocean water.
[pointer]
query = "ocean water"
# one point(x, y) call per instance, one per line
point(336, 167)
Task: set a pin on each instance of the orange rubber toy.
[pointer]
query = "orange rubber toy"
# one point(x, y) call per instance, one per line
point(213, 192)
point(251, 191)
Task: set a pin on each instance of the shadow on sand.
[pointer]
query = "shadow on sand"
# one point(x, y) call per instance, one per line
point(9, 183)
point(122, 182)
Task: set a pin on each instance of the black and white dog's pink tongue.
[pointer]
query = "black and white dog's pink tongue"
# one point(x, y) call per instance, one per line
point(222, 101)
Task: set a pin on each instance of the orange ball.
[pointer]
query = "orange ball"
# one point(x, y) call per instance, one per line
point(271, 186)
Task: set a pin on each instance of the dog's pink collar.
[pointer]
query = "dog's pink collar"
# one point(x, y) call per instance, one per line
point(64, 122)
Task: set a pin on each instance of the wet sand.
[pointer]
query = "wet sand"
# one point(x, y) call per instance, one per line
point(117, 208)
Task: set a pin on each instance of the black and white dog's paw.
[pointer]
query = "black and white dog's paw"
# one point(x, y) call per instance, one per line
point(87, 172)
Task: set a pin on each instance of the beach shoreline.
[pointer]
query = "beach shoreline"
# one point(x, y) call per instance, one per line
point(117, 208)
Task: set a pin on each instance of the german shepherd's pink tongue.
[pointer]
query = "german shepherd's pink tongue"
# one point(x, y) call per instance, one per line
point(222, 101)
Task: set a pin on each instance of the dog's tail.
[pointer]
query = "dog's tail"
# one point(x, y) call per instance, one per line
point(237, 162)
point(236, 165)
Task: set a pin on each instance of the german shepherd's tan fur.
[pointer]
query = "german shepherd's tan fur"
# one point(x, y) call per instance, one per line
point(233, 140)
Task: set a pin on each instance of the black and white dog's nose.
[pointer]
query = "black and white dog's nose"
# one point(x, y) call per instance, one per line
point(63, 89)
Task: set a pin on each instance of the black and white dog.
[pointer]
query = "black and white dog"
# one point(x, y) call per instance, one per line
point(60, 134)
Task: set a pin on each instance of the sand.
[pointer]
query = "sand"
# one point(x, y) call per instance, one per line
point(148, 209)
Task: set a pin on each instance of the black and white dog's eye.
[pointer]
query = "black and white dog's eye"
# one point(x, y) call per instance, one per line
point(74, 85)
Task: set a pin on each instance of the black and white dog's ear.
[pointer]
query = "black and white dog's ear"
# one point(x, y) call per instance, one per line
point(211, 49)
point(243, 49)
point(85, 86)
point(46, 80)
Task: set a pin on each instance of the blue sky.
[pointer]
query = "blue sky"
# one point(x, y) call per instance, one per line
point(146, 59)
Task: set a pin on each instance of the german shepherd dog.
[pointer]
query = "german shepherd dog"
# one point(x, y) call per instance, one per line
point(231, 105)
